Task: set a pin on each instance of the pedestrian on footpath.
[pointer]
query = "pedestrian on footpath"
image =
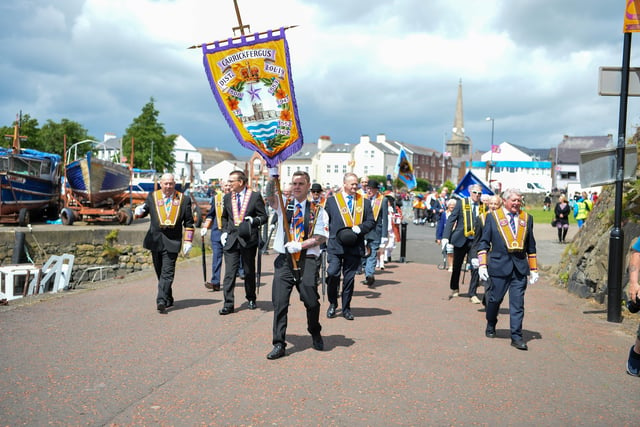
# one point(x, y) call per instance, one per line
point(633, 362)
point(507, 255)
point(243, 212)
point(460, 231)
point(350, 219)
point(213, 220)
point(170, 212)
point(378, 236)
point(562, 211)
point(308, 229)
point(493, 202)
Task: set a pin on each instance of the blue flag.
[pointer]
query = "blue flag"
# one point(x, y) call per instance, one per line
point(404, 170)
point(462, 190)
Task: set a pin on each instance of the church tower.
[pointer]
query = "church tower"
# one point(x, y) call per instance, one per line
point(459, 145)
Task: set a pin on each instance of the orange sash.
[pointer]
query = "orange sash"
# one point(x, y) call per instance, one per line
point(217, 201)
point(513, 242)
point(376, 205)
point(168, 215)
point(238, 217)
point(358, 210)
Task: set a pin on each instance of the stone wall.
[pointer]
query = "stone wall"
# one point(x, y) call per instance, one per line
point(95, 247)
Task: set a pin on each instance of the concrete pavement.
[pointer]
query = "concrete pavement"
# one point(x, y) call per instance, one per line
point(412, 356)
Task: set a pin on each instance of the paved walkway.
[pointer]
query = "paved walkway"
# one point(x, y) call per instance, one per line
point(104, 356)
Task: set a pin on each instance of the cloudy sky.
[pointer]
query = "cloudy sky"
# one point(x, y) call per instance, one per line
point(360, 67)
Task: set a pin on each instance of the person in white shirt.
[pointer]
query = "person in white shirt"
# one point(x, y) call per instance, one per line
point(296, 265)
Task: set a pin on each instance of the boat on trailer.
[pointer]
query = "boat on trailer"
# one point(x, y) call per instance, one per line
point(29, 182)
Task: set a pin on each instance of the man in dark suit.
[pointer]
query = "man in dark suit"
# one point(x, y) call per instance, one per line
point(243, 212)
point(507, 255)
point(350, 219)
point(308, 228)
point(213, 220)
point(378, 236)
point(459, 231)
point(170, 211)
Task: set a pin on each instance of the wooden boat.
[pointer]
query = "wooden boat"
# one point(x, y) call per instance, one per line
point(96, 182)
point(29, 182)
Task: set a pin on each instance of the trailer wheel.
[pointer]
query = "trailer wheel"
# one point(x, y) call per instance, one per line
point(23, 217)
point(67, 216)
point(125, 216)
point(197, 217)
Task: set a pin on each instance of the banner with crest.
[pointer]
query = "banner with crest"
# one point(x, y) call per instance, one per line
point(251, 80)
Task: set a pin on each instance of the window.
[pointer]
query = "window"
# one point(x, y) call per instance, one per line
point(336, 169)
point(288, 170)
point(328, 168)
point(344, 168)
point(570, 176)
point(366, 170)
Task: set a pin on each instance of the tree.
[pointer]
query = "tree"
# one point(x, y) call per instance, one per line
point(51, 136)
point(28, 128)
point(149, 135)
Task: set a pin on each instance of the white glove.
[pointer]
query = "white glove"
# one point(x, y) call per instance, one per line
point(483, 273)
point(475, 263)
point(248, 218)
point(444, 243)
point(186, 247)
point(383, 241)
point(273, 172)
point(223, 239)
point(533, 278)
point(203, 231)
point(356, 229)
point(139, 211)
point(293, 247)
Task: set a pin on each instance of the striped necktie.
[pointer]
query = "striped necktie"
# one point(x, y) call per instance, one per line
point(512, 222)
point(298, 223)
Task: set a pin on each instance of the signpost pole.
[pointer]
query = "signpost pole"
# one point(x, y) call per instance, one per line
point(616, 237)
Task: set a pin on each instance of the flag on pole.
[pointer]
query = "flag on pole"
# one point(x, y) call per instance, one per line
point(251, 80)
point(404, 170)
point(496, 149)
point(631, 17)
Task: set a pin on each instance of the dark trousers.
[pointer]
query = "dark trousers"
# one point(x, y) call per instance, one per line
point(216, 264)
point(232, 258)
point(283, 284)
point(347, 265)
point(459, 253)
point(516, 285)
point(164, 263)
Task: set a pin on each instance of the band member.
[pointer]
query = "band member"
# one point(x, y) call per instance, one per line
point(213, 220)
point(459, 231)
point(170, 212)
point(507, 255)
point(308, 229)
point(243, 212)
point(350, 219)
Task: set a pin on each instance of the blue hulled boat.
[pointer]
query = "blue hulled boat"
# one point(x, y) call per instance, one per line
point(94, 181)
point(29, 181)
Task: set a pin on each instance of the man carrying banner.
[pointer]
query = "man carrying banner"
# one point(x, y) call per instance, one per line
point(350, 219)
point(507, 255)
point(170, 211)
point(243, 212)
point(308, 229)
point(459, 231)
point(378, 236)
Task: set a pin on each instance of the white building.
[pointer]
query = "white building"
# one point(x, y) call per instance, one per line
point(187, 157)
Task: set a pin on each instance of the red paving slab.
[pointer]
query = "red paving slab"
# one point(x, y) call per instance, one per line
point(412, 356)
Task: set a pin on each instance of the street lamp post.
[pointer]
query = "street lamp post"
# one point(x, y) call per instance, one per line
point(491, 156)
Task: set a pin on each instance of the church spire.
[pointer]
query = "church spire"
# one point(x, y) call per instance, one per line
point(458, 145)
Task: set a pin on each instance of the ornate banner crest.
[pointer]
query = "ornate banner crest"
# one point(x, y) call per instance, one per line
point(251, 80)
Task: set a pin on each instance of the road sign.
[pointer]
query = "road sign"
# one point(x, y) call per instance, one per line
point(610, 80)
point(598, 167)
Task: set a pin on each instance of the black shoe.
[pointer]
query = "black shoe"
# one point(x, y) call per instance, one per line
point(208, 285)
point(331, 311)
point(225, 310)
point(490, 332)
point(169, 304)
point(318, 343)
point(252, 305)
point(369, 281)
point(161, 307)
point(519, 344)
point(277, 352)
point(347, 314)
